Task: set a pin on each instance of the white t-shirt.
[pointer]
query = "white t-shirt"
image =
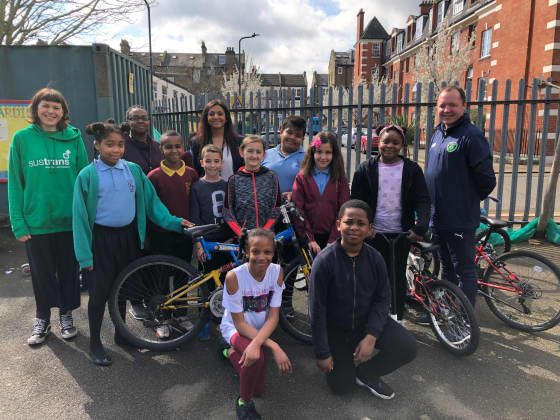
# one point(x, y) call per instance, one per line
point(389, 209)
point(227, 165)
point(253, 298)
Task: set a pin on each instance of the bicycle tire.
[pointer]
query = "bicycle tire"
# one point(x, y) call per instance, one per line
point(500, 249)
point(149, 279)
point(539, 277)
point(294, 311)
point(452, 318)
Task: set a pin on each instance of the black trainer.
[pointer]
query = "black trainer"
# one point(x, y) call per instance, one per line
point(41, 330)
point(246, 411)
point(377, 387)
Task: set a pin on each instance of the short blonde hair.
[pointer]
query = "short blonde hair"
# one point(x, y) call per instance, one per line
point(210, 148)
point(252, 138)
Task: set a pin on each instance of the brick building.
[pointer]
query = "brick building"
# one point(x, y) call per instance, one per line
point(341, 68)
point(368, 50)
point(197, 72)
point(513, 40)
point(284, 84)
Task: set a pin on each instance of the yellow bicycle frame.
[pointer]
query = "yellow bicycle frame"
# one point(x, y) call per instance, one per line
point(177, 295)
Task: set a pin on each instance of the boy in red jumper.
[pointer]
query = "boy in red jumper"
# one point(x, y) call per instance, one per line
point(172, 182)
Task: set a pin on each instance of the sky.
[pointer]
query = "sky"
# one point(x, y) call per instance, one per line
point(295, 35)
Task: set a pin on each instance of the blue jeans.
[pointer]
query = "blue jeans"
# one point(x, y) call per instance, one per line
point(457, 254)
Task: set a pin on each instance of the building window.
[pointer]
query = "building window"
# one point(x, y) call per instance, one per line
point(440, 12)
point(388, 48)
point(400, 42)
point(430, 20)
point(222, 60)
point(376, 50)
point(457, 6)
point(469, 74)
point(486, 43)
point(406, 65)
point(196, 75)
point(339, 70)
point(482, 83)
point(164, 90)
point(455, 42)
point(154, 85)
point(419, 27)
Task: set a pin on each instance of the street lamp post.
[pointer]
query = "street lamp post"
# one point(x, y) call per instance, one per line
point(239, 67)
point(151, 93)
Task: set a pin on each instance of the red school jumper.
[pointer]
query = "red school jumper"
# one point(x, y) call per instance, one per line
point(320, 210)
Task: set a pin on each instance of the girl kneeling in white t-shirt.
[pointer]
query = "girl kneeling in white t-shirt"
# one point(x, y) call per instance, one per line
point(252, 303)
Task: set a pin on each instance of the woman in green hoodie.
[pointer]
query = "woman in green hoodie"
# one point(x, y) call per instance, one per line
point(45, 159)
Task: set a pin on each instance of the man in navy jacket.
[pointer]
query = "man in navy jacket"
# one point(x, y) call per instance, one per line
point(459, 174)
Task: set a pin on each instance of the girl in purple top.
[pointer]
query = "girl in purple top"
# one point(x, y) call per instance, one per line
point(396, 191)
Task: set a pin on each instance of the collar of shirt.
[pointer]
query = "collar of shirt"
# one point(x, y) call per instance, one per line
point(318, 172)
point(300, 150)
point(169, 172)
point(102, 166)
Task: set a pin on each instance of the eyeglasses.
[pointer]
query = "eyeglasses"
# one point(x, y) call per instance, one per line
point(139, 118)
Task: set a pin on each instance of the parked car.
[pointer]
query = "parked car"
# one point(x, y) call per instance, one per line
point(344, 138)
point(374, 144)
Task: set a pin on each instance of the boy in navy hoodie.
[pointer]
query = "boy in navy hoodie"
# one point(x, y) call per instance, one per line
point(349, 298)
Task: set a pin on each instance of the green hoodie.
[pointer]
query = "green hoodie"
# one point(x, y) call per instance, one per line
point(43, 167)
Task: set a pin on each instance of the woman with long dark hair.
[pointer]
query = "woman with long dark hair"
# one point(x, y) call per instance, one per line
point(216, 127)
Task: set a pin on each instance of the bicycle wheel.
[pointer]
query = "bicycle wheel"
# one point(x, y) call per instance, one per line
point(535, 305)
point(497, 234)
point(452, 318)
point(152, 280)
point(294, 312)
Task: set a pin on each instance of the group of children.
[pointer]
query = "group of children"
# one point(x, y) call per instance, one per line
point(103, 211)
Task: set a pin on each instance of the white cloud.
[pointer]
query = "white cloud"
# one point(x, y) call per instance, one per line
point(296, 35)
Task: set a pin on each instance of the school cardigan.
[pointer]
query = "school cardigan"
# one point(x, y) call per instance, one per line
point(320, 210)
point(84, 208)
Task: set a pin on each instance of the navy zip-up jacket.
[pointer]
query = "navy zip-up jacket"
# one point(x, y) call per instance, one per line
point(348, 294)
point(459, 174)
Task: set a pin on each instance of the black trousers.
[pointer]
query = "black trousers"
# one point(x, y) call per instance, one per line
point(402, 247)
point(113, 250)
point(54, 272)
point(457, 260)
point(321, 239)
point(397, 347)
point(171, 243)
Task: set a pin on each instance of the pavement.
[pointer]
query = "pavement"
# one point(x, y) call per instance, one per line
point(513, 375)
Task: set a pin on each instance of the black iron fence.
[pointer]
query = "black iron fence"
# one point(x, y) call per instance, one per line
point(521, 131)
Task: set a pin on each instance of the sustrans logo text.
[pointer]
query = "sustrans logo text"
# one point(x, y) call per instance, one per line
point(52, 163)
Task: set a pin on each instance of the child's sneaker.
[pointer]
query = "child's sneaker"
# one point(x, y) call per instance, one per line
point(246, 411)
point(67, 328)
point(377, 387)
point(41, 329)
point(163, 331)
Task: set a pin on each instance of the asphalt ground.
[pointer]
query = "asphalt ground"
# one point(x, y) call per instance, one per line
point(513, 375)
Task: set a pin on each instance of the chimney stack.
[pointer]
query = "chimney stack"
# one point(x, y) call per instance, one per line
point(360, 24)
point(125, 47)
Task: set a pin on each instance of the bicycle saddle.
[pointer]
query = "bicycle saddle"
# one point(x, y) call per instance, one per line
point(426, 246)
point(196, 232)
point(494, 222)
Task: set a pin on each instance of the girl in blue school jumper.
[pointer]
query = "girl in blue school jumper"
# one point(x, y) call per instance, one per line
point(112, 198)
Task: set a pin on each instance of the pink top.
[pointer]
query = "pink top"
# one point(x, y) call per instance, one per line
point(389, 211)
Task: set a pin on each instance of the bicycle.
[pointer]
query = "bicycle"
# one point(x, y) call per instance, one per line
point(522, 288)
point(451, 314)
point(176, 294)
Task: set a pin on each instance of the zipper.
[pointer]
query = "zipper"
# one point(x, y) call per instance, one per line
point(255, 196)
point(354, 280)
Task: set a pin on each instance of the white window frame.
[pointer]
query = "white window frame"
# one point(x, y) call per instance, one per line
point(430, 20)
point(455, 41)
point(376, 50)
point(339, 70)
point(486, 43)
point(388, 48)
point(440, 12)
point(400, 42)
point(458, 6)
point(419, 27)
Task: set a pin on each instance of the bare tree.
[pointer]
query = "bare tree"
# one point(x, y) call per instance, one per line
point(550, 194)
point(56, 21)
point(443, 59)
